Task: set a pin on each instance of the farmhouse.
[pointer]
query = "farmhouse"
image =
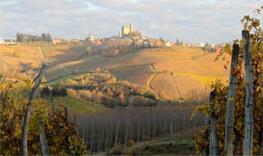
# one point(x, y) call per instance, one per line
point(59, 41)
point(167, 43)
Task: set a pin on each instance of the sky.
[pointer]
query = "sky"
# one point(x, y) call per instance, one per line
point(194, 21)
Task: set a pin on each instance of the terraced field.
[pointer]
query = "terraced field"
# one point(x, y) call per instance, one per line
point(171, 73)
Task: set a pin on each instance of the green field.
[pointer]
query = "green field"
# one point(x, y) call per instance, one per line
point(78, 106)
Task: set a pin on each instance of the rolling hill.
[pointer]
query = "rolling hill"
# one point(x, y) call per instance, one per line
point(171, 73)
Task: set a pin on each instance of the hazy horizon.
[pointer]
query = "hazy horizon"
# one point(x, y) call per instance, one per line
point(193, 21)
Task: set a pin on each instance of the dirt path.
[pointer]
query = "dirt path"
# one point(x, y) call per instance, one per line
point(44, 59)
point(42, 52)
point(149, 85)
point(176, 85)
point(155, 74)
point(149, 82)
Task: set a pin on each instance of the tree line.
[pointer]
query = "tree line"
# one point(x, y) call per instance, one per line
point(123, 126)
point(20, 37)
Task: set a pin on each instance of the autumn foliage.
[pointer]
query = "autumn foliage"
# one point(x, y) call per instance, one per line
point(62, 138)
point(252, 25)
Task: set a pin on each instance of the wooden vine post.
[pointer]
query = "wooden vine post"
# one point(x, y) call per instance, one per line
point(43, 141)
point(249, 74)
point(230, 102)
point(213, 146)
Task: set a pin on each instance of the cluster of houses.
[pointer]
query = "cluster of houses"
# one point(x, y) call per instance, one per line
point(89, 40)
point(197, 45)
point(217, 48)
point(8, 42)
point(127, 31)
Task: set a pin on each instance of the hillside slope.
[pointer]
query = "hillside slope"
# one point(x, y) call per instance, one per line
point(172, 73)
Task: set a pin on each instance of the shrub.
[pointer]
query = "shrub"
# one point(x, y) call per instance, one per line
point(150, 95)
point(130, 142)
point(118, 149)
point(61, 134)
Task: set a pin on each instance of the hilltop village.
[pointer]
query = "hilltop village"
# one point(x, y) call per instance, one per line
point(128, 39)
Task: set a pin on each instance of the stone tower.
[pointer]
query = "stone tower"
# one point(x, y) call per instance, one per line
point(126, 29)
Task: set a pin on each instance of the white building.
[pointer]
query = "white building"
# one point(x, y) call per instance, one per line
point(91, 38)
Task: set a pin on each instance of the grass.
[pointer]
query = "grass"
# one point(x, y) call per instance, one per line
point(179, 144)
point(161, 147)
point(79, 106)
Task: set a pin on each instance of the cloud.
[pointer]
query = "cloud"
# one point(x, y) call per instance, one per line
point(8, 2)
point(191, 21)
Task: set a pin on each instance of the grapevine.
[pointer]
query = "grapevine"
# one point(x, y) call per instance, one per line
point(252, 25)
point(61, 134)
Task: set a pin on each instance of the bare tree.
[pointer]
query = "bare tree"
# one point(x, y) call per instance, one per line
point(29, 107)
point(248, 138)
point(104, 130)
point(230, 101)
